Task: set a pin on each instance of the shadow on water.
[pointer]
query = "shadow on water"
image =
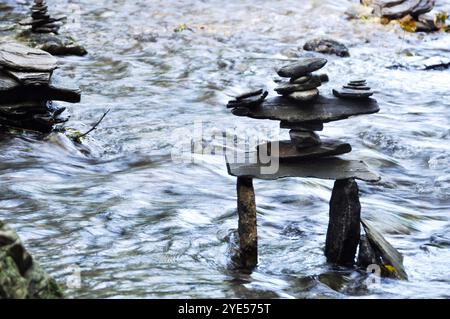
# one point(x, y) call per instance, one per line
point(138, 224)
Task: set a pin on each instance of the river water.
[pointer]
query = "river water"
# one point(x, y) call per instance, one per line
point(135, 223)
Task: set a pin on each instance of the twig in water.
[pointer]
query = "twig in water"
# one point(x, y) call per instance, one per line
point(95, 125)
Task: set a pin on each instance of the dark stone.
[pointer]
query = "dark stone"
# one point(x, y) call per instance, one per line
point(324, 77)
point(366, 254)
point(301, 80)
point(356, 87)
point(287, 87)
point(322, 110)
point(327, 46)
point(358, 82)
point(247, 227)
point(249, 94)
point(304, 139)
point(53, 44)
point(20, 276)
point(30, 78)
point(390, 256)
point(249, 101)
point(324, 168)
point(302, 67)
point(311, 126)
point(408, 7)
point(344, 224)
point(352, 94)
point(289, 151)
point(22, 58)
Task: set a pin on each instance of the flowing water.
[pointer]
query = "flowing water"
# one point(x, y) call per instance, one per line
point(138, 224)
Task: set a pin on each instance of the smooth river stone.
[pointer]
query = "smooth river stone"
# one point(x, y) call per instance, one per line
point(352, 94)
point(302, 67)
point(289, 151)
point(411, 7)
point(287, 88)
point(301, 79)
point(322, 110)
point(304, 96)
point(324, 168)
point(249, 101)
point(22, 58)
point(304, 138)
point(311, 126)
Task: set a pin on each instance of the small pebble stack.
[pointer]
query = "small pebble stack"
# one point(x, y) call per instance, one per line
point(356, 89)
point(40, 20)
point(28, 88)
point(302, 85)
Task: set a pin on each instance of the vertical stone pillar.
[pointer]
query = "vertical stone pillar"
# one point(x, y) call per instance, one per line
point(248, 238)
point(344, 225)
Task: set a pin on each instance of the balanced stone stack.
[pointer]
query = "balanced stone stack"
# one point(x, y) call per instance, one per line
point(41, 21)
point(356, 89)
point(304, 155)
point(302, 85)
point(28, 88)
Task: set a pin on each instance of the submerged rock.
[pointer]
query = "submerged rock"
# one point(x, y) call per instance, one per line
point(327, 46)
point(20, 275)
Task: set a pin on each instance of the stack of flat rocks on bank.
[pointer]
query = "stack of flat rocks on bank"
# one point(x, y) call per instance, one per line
point(28, 87)
point(44, 32)
point(41, 21)
point(306, 155)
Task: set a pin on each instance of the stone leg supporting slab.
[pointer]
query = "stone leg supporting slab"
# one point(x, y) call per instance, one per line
point(344, 225)
point(248, 239)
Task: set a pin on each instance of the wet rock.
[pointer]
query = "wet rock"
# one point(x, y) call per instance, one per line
point(422, 63)
point(324, 77)
point(352, 93)
point(391, 258)
point(29, 78)
point(357, 82)
point(344, 225)
point(304, 139)
point(301, 79)
point(302, 67)
point(289, 151)
point(249, 94)
point(288, 88)
point(18, 57)
point(356, 87)
point(40, 20)
point(20, 275)
point(327, 46)
point(366, 254)
point(397, 9)
point(322, 110)
point(311, 126)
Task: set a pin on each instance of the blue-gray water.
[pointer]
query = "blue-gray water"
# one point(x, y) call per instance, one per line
point(140, 225)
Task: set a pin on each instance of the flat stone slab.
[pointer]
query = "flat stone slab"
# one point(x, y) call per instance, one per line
point(321, 110)
point(324, 168)
point(22, 58)
point(288, 151)
point(30, 78)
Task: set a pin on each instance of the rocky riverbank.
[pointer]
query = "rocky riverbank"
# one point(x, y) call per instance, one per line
point(21, 277)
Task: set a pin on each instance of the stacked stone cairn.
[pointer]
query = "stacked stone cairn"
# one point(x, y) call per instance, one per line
point(303, 111)
point(41, 21)
point(28, 87)
point(356, 89)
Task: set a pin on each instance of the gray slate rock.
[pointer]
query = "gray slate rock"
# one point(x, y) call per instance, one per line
point(352, 94)
point(356, 87)
point(327, 46)
point(322, 110)
point(289, 151)
point(302, 67)
point(22, 58)
point(30, 78)
point(324, 168)
point(248, 101)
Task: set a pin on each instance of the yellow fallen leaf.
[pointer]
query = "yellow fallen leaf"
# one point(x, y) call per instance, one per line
point(408, 24)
